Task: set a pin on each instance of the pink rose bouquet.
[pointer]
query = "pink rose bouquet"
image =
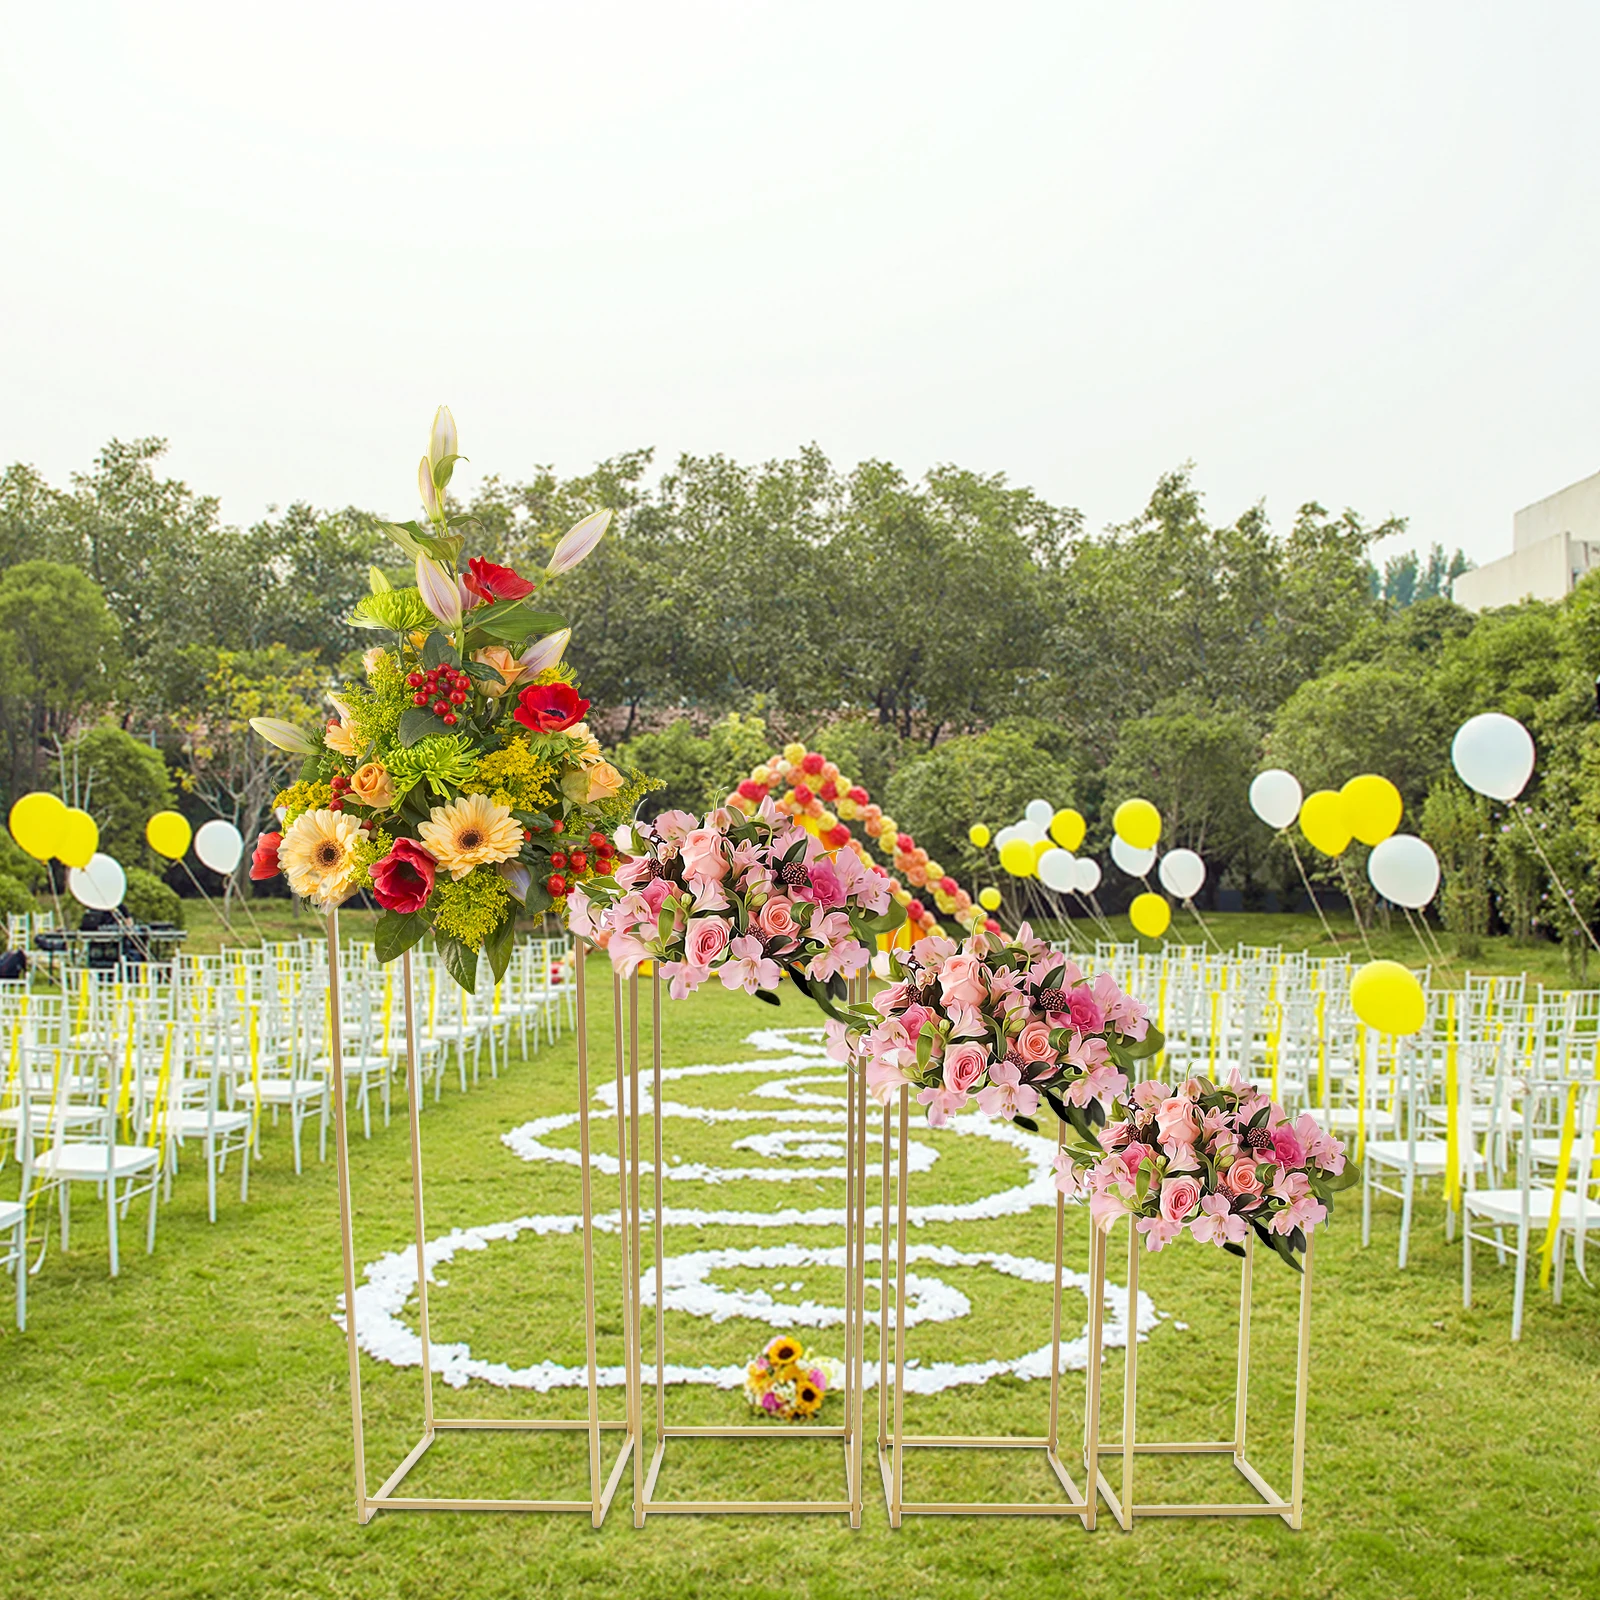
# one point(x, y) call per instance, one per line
point(1219, 1161)
point(749, 899)
point(1012, 1023)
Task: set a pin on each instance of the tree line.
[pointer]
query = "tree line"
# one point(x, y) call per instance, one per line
point(958, 643)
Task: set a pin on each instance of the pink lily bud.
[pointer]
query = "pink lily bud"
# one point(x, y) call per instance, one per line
point(443, 441)
point(578, 541)
point(282, 734)
point(544, 653)
point(439, 592)
point(430, 495)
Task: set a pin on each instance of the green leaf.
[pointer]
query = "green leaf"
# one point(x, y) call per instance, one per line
point(404, 534)
point(768, 996)
point(442, 468)
point(437, 651)
point(460, 962)
point(1026, 1122)
point(378, 583)
point(512, 621)
point(480, 672)
point(499, 945)
point(1153, 1043)
point(539, 899)
point(1343, 1180)
point(664, 922)
point(887, 921)
point(924, 1048)
point(395, 933)
point(415, 724)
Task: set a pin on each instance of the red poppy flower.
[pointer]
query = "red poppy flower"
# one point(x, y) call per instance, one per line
point(264, 863)
point(403, 880)
point(549, 707)
point(490, 581)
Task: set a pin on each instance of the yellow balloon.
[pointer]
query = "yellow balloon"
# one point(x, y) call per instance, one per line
point(78, 838)
point(978, 833)
point(1041, 848)
point(1373, 807)
point(989, 899)
point(1067, 828)
point(1387, 997)
point(1017, 858)
point(1150, 915)
point(1325, 822)
point(1136, 823)
point(36, 823)
point(168, 833)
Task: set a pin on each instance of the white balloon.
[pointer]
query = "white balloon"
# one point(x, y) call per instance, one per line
point(219, 845)
point(1182, 874)
point(1088, 875)
point(1404, 869)
point(1275, 797)
point(1493, 754)
point(1136, 863)
point(1058, 870)
point(1005, 836)
point(1039, 812)
point(100, 886)
point(1033, 832)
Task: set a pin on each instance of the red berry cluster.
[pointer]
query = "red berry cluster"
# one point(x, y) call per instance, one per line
point(444, 689)
point(340, 785)
point(567, 867)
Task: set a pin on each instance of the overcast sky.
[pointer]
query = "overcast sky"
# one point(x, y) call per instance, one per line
point(1342, 252)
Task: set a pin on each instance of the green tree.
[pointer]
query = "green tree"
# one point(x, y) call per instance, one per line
point(121, 783)
point(699, 771)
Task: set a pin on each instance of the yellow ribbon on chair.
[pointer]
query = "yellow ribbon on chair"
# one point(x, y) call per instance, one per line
point(1361, 1090)
point(1569, 1128)
point(1452, 1110)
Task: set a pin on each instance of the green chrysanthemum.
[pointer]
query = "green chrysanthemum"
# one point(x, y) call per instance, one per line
point(399, 610)
point(470, 910)
point(444, 762)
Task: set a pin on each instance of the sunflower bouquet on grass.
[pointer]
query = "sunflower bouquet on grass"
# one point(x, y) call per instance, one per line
point(789, 1382)
point(459, 783)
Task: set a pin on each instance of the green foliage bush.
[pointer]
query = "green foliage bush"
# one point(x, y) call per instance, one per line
point(17, 864)
point(150, 900)
point(14, 899)
point(699, 771)
point(126, 783)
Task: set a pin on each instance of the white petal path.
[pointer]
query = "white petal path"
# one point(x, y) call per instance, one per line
point(790, 1066)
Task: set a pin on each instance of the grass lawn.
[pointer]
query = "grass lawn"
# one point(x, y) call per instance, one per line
point(184, 1431)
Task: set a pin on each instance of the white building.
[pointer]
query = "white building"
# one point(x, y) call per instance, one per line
point(1554, 542)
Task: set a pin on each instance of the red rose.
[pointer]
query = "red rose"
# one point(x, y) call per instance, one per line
point(549, 707)
point(264, 863)
point(403, 880)
point(489, 581)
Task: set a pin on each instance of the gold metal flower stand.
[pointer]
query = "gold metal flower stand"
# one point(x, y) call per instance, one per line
point(385, 1498)
point(1124, 1507)
point(849, 1432)
point(894, 1441)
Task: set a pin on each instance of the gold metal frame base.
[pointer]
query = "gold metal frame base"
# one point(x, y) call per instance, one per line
point(851, 1505)
point(1272, 1504)
point(385, 1499)
point(1080, 1504)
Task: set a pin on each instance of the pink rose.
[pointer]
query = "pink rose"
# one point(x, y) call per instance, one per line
point(1033, 1043)
point(964, 1063)
point(705, 940)
point(1179, 1196)
point(914, 1018)
point(654, 892)
point(1287, 1148)
point(776, 920)
point(1085, 1015)
point(702, 855)
point(1176, 1121)
point(1242, 1180)
point(962, 981)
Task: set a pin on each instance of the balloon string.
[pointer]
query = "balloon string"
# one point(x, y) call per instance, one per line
point(1555, 877)
point(1088, 903)
point(1316, 904)
point(1194, 911)
point(1427, 950)
point(1350, 895)
point(216, 910)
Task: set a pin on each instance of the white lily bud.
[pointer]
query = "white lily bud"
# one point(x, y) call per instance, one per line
point(443, 441)
point(578, 541)
point(517, 880)
point(544, 653)
point(282, 734)
point(430, 494)
point(439, 592)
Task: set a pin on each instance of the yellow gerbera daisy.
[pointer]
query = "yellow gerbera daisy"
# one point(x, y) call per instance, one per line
point(318, 856)
point(470, 832)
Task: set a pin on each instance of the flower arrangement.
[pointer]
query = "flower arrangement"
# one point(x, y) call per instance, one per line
point(1218, 1161)
point(749, 898)
point(459, 784)
point(1012, 1022)
point(805, 785)
point(789, 1382)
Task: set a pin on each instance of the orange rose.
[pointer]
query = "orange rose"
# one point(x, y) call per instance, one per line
point(597, 782)
point(372, 786)
point(503, 662)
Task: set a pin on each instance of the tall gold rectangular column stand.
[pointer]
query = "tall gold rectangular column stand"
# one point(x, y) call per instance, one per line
point(1272, 1504)
point(894, 1441)
point(385, 1498)
point(849, 1433)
